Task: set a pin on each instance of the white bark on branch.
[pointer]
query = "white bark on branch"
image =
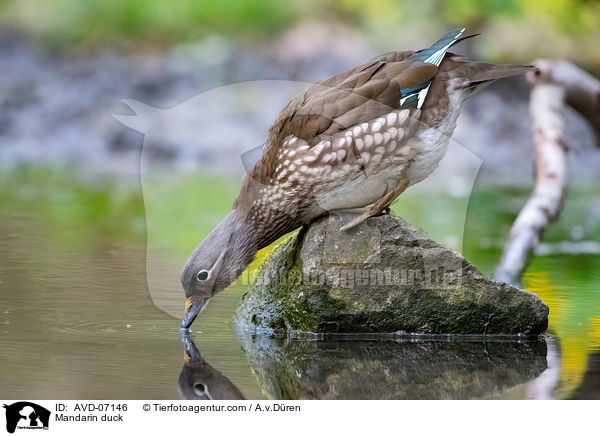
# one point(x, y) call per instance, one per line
point(582, 90)
point(543, 207)
point(555, 83)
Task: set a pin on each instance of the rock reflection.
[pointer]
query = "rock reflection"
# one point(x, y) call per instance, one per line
point(392, 369)
point(200, 381)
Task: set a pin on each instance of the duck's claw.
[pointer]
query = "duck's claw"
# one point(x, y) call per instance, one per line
point(349, 216)
point(356, 221)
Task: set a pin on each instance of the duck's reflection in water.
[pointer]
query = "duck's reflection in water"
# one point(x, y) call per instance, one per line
point(200, 381)
point(368, 368)
point(392, 369)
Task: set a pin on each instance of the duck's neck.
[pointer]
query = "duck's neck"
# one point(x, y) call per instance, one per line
point(247, 237)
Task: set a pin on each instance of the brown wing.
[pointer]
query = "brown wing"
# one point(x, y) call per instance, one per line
point(349, 98)
point(322, 112)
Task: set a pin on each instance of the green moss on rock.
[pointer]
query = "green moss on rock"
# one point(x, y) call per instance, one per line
point(383, 276)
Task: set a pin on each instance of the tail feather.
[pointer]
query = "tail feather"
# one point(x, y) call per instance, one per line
point(462, 38)
point(478, 73)
point(432, 55)
point(484, 72)
point(435, 53)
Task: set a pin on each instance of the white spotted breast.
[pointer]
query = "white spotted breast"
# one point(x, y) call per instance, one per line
point(353, 168)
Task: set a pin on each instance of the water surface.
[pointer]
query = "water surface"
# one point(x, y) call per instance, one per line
point(77, 320)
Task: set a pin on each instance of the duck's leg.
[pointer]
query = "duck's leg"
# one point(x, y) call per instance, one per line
point(350, 214)
point(379, 206)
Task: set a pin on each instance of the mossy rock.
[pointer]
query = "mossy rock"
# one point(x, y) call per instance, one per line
point(383, 276)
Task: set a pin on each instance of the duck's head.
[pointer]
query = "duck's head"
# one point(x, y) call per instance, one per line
point(200, 381)
point(206, 272)
point(219, 259)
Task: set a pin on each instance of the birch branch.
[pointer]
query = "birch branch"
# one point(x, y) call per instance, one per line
point(543, 207)
point(582, 90)
point(554, 84)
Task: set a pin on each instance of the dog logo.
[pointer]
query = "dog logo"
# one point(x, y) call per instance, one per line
point(26, 415)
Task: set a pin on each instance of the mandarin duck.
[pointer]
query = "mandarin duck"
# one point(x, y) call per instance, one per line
point(350, 144)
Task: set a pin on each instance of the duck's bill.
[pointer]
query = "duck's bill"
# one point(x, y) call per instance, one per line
point(191, 354)
point(193, 306)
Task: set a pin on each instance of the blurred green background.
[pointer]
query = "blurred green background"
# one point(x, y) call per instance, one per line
point(516, 29)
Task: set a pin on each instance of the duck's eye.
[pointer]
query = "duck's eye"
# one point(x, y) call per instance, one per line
point(202, 275)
